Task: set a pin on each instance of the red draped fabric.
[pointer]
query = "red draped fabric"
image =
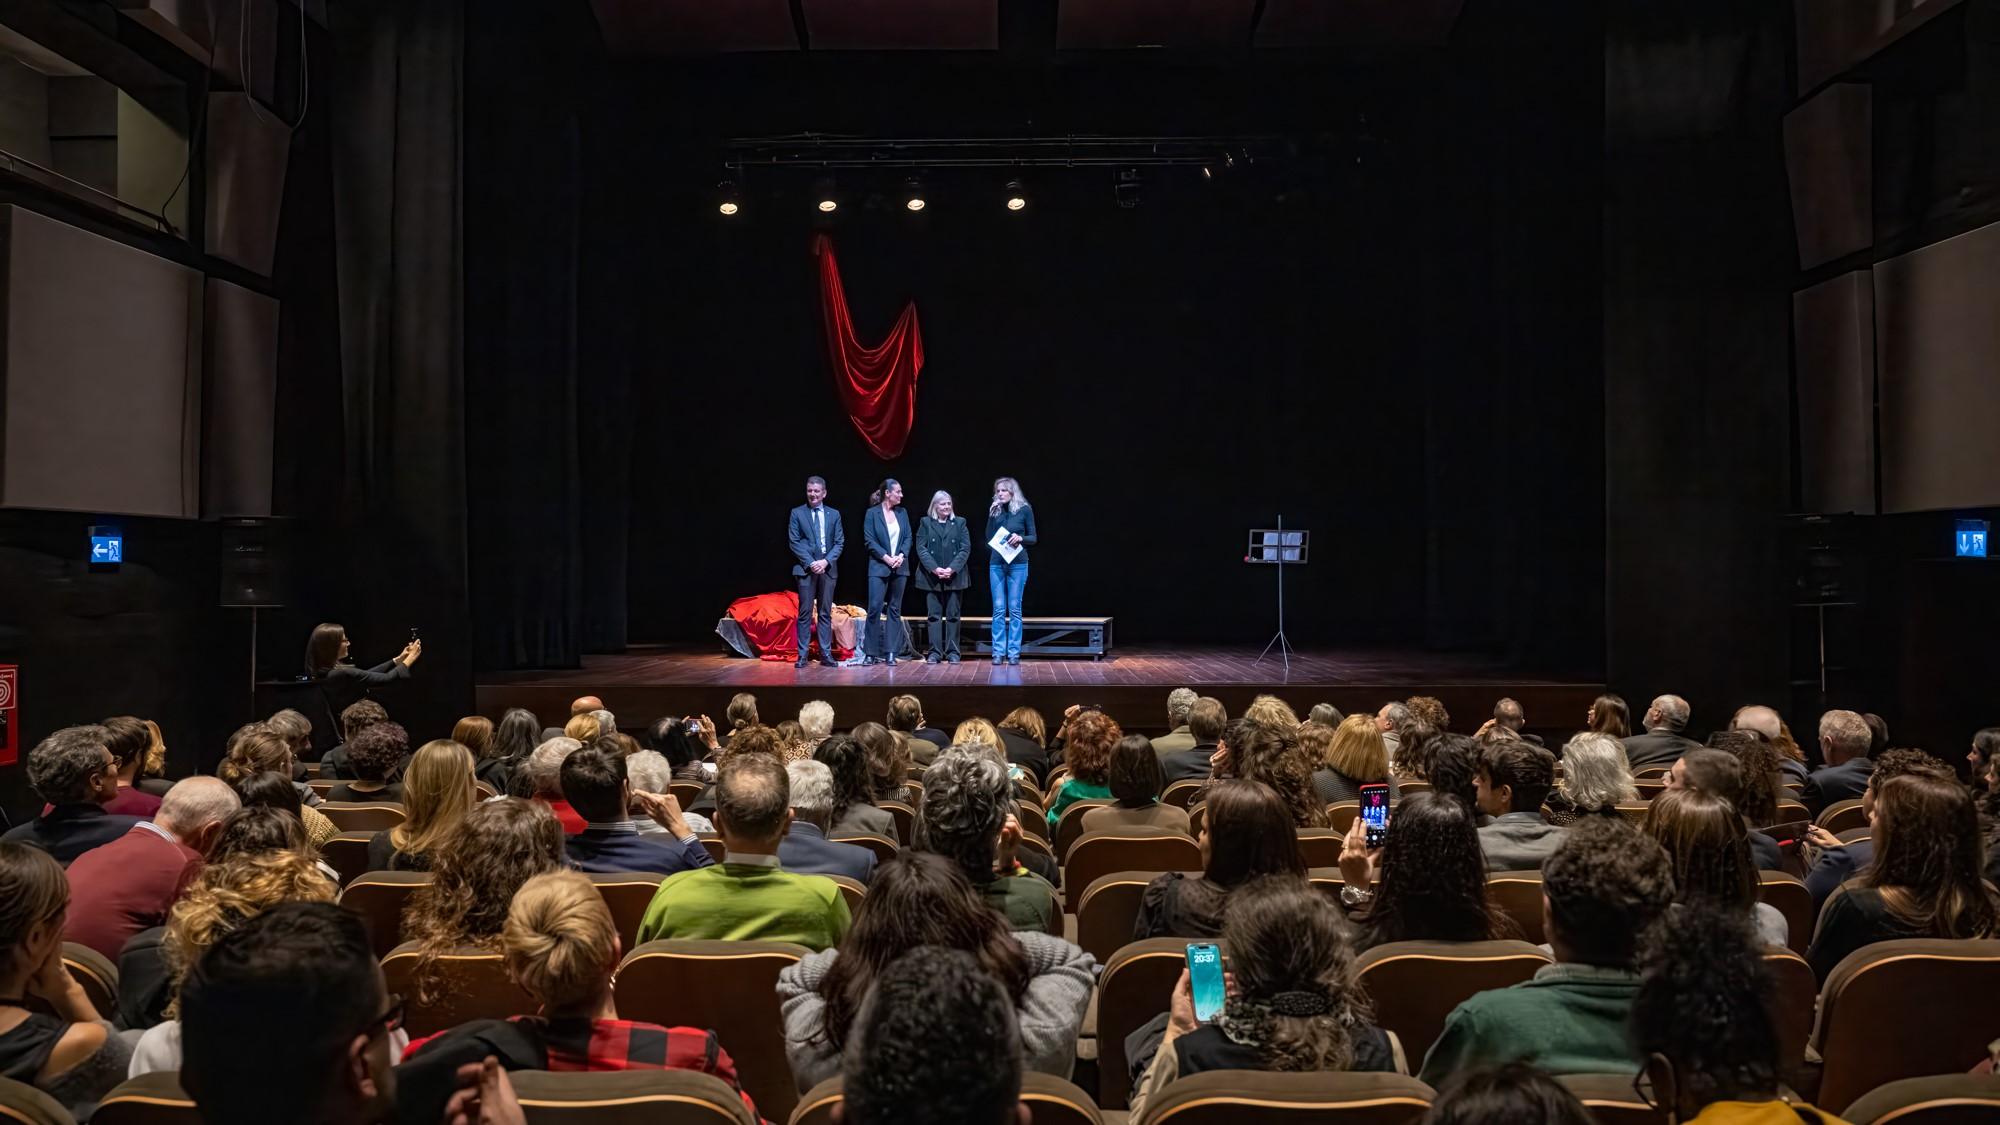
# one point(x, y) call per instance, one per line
point(877, 385)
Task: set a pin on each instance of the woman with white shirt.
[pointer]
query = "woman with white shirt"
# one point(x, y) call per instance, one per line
point(886, 530)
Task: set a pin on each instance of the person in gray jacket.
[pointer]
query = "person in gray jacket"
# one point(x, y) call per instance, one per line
point(919, 899)
point(1514, 779)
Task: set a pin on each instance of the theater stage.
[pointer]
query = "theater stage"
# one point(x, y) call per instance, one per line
point(1131, 683)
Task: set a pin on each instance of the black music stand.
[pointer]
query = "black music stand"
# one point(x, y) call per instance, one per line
point(1276, 546)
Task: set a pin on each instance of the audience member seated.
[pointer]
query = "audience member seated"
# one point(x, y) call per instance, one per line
point(1429, 877)
point(796, 747)
point(1179, 736)
point(1135, 782)
point(1429, 709)
point(1393, 720)
point(1091, 737)
point(594, 780)
point(1513, 1094)
point(968, 818)
point(1293, 1004)
point(129, 884)
point(1980, 758)
point(1345, 758)
point(297, 731)
point(1269, 753)
point(584, 728)
point(1024, 738)
point(229, 893)
point(59, 1045)
point(260, 748)
point(741, 714)
point(269, 789)
point(1844, 738)
point(649, 772)
point(1702, 1025)
point(129, 741)
point(475, 733)
point(1206, 720)
point(1724, 773)
point(1451, 765)
point(354, 718)
point(1270, 711)
point(1247, 833)
point(981, 732)
point(1595, 780)
point(152, 776)
point(374, 755)
point(906, 717)
point(1926, 880)
point(1514, 780)
point(886, 756)
point(438, 790)
point(1710, 850)
point(1602, 890)
point(921, 900)
point(748, 896)
point(1608, 714)
point(563, 949)
point(1663, 743)
point(854, 810)
point(1766, 724)
point(806, 850)
point(543, 780)
point(73, 772)
point(816, 720)
point(1839, 862)
point(1325, 714)
point(683, 751)
point(519, 732)
point(500, 846)
point(1510, 716)
point(934, 1042)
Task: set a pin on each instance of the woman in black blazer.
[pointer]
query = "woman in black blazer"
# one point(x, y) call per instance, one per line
point(341, 683)
point(944, 546)
point(886, 530)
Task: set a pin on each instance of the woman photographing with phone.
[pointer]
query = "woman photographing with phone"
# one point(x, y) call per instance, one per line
point(1011, 521)
point(341, 682)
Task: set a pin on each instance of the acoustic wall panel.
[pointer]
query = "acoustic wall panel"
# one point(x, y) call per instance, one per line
point(247, 154)
point(1833, 329)
point(1937, 362)
point(102, 400)
point(241, 335)
point(1828, 157)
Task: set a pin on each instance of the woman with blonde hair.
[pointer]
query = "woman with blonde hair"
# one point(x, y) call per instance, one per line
point(499, 847)
point(1011, 519)
point(1346, 757)
point(1596, 779)
point(584, 728)
point(152, 772)
point(977, 732)
point(1272, 712)
point(562, 948)
point(228, 894)
point(438, 790)
point(1025, 738)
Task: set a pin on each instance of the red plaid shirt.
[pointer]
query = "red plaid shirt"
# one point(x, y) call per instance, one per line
point(578, 1044)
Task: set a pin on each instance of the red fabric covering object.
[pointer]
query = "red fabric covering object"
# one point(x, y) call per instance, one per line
point(771, 623)
point(877, 385)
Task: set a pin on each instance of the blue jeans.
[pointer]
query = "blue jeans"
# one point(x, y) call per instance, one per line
point(1007, 581)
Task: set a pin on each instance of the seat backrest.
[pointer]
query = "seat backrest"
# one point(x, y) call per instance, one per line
point(476, 987)
point(1405, 788)
point(1032, 843)
point(150, 1099)
point(1903, 1009)
point(1790, 810)
point(1197, 816)
point(1611, 1099)
point(1136, 985)
point(95, 972)
point(322, 785)
point(22, 1104)
point(1842, 816)
point(1107, 910)
point(728, 987)
point(1651, 773)
point(1050, 1101)
point(1415, 984)
point(913, 791)
point(1634, 811)
point(1181, 792)
point(347, 854)
point(1341, 815)
point(1069, 825)
point(380, 897)
point(1034, 820)
point(1518, 894)
point(906, 819)
point(851, 889)
point(1794, 995)
point(1649, 788)
point(628, 1097)
point(1788, 893)
point(1257, 1097)
point(627, 894)
point(686, 792)
point(884, 848)
point(1320, 847)
point(1944, 1099)
point(714, 846)
point(1124, 849)
point(360, 816)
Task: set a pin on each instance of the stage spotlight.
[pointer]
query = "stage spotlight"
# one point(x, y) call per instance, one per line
point(913, 193)
point(823, 192)
point(729, 199)
point(1017, 196)
point(1126, 189)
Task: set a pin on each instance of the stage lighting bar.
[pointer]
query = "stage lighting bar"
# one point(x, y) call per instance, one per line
point(906, 153)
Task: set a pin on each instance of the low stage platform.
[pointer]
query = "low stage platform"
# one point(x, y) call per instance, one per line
point(1132, 683)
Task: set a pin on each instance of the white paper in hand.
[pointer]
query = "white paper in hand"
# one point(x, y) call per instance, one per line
point(1000, 547)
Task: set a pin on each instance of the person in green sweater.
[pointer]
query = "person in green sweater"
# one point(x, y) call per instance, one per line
point(748, 896)
point(1605, 887)
point(1088, 739)
point(968, 818)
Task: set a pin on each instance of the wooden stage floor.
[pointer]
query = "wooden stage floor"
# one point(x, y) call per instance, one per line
point(1131, 683)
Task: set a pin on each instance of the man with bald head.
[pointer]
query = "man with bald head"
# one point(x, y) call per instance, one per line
point(1843, 740)
point(584, 705)
point(129, 884)
point(1662, 744)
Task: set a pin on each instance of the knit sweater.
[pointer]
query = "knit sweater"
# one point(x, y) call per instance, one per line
point(1049, 1014)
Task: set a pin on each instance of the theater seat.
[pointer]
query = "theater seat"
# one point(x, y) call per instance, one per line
point(95, 972)
point(1124, 849)
point(1405, 788)
point(22, 1104)
point(1320, 847)
point(728, 987)
point(347, 854)
point(1903, 1009)
point(851, 889)
point(322, 786)
point(1256, 1097)
point(1611, 1099)
point(627, 894)
point(906, 819)
point(1842, 816)
point(379, 898)
point(1635, 811)
point(150, 1099)
point(358, 816)
point(686, 792)
point(1794, 995)
point(1415, 984)
point(1518, 894)
point(477, 987)
point(1137, 984)
point(1050, 1101)
point(714, 846)
point(1181, 792)
point(1946, 1099)
point(631, 1097)
point(1341, 815)
point(1109, 907)
point(1069, 825)
point(884, 848)
point(1790, 810)
point(1788, 893)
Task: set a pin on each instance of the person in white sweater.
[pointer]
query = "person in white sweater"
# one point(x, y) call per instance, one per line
point(919, 899)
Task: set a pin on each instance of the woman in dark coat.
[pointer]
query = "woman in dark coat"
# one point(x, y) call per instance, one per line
point(341, 683)
point(886, 529)
point(944, 545)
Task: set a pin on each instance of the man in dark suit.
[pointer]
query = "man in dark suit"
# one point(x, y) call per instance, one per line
point(805, 850)
point(75, 772)
point(594, 784)
point(1205, 720)
point(816, 541)
point(1843, 741)
point(1662, 744)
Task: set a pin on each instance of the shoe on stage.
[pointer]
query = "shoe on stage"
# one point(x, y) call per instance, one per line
point(931, 658)
point(951, 660)
point(802, 662)
point(1014, 660)
point(891, 661)
point(867, 661)
point(999, 659)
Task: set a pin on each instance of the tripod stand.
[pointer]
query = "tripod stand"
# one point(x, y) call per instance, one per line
point(1278, 547)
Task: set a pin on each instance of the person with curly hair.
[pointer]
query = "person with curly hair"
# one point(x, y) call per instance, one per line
point(1429, 878)
point(1270, 711)
point(854, 808)
point(1710, 850)
point(499, 847)
point(1604, 889)
point(1254, 751)
point(375, 755)
point(887, 756)
point(1429, 709)
point(1092, 735)
point(1294, 1005)
point(228, 894)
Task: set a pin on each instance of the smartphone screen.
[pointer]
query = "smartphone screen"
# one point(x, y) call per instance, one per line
point(1375, 813)
point(1205, 979)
